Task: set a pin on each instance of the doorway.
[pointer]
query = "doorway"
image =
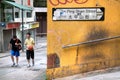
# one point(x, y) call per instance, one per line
point(42, 19)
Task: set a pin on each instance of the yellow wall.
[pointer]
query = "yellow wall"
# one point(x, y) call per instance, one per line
point(94, 56)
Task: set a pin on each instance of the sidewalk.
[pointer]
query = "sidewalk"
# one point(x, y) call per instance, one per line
point(6, 54)
point(105, 74)
point(22, 72)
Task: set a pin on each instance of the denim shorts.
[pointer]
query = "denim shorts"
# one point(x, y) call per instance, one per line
point(15, 53)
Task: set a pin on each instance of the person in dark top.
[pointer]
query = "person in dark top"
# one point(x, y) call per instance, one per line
point(13, 46)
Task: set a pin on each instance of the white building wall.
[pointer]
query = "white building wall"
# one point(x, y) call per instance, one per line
point(26, 19)
point(40, 9)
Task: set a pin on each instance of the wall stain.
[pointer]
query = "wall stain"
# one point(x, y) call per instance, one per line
point(94, 50)
point(95, 55)
point(97, 33)
point(53, 61)
point(117, 0)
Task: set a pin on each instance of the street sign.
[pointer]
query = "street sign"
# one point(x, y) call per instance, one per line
point(2, 24)
point(30, 26)
point(80, 14)
point(26, 27)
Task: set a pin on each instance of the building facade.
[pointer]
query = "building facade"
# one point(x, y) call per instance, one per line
point(40, 8)
point(83, 36)
point(11, 15)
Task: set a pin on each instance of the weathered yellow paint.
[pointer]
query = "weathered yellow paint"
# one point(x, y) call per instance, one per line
point(90, 57)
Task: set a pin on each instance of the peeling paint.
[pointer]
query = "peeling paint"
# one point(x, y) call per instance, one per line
point(53, 61)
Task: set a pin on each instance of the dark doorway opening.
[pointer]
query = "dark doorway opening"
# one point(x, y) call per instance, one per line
point(42, 19)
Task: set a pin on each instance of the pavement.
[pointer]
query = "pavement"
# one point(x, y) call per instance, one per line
point(105, 74)
point(37, 72)
point(6, 54)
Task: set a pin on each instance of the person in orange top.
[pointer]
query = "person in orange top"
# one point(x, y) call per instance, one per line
point(29, 42)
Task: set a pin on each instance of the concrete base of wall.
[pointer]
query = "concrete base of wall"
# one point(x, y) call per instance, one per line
point(81, 68)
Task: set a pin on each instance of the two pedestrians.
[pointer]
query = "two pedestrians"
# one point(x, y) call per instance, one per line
point(14, 49)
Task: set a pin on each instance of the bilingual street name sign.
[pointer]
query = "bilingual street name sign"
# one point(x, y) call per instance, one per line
point(78, 14)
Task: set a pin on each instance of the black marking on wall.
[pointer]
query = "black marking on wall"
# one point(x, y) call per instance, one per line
point(94, 50)
point(97, 33)
point(95, 55)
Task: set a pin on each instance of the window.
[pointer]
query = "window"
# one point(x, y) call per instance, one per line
point(0, 12)
point(9, 14)
point(17, 12)
point(0, 15)
point(6, 12)
point(29, 14)
point(40, 3)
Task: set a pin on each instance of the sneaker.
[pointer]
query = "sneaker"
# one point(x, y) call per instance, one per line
point(29, 65)
point(33, 64)
point(13, 65)
point(16, 65)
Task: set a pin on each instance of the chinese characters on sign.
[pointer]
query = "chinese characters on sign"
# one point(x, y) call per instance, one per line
point(85, 14)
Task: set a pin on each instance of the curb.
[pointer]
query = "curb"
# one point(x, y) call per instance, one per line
point(88, 74)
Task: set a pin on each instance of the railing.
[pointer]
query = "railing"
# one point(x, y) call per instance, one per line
point(91, 41)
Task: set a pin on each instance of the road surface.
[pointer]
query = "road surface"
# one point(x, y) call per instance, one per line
point(38, 72)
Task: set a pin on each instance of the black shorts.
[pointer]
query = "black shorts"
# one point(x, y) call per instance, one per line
point(30, 54)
